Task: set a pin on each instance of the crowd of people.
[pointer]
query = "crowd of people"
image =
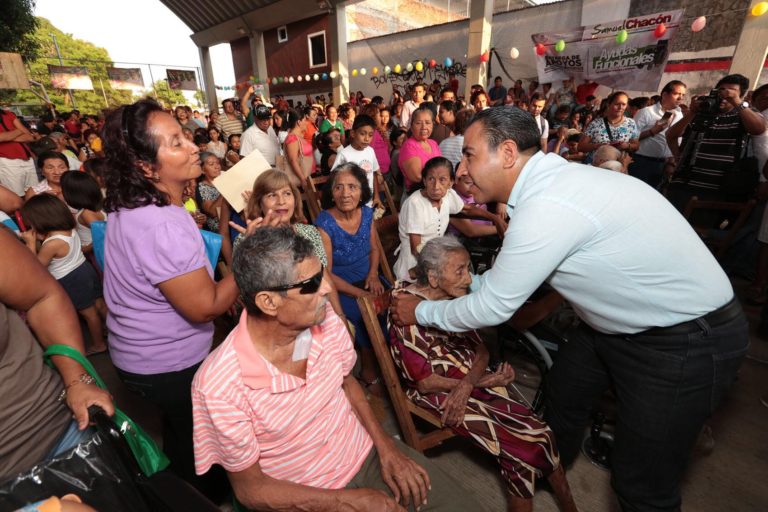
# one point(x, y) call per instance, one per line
point(576, 191)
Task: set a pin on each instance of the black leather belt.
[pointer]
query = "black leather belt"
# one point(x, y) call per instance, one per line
point(652, 158)
point(717, 317)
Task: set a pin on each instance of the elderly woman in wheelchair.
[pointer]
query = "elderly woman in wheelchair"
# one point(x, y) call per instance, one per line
point(447, 374)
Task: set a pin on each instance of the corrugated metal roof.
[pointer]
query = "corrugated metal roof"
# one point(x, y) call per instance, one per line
point(200, 15)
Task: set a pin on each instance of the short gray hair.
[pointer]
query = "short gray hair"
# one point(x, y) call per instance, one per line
point(267, 259)
point(605, 153)
point(432, 255)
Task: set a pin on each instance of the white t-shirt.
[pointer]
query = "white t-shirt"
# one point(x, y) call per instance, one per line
point(365, 158)
point(419, 217)
point(645, 119)
point(267, 144)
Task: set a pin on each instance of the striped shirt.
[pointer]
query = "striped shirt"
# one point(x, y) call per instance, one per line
point(716, 153)
point(230, 126)
point(304, 431)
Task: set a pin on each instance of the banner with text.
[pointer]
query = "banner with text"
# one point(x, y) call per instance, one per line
point(125, 79)
point(182, 79)
point(595, 53)
point(70, 77)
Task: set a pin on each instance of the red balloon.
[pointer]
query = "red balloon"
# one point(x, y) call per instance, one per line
point(661, 29)
point(484, 57)
point(541, 50)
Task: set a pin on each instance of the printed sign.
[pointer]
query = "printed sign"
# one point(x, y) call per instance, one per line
point(183, 79)
point(594, 52)
point(126, 79)
point(70, 77)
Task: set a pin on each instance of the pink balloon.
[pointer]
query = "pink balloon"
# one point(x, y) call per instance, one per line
point(699, 24)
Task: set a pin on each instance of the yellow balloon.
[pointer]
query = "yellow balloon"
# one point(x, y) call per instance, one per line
point(419, 66)
point(760, 9)
point(397, 68)
point(375, 71)
point(354, 72)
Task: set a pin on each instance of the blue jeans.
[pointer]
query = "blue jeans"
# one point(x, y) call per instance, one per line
point(69, 439)
point(666, 386)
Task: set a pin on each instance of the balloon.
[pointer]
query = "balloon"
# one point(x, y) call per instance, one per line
point(290, 79)
point(409, 67)
point(397, 68)
point(285, 79)
point(419, 66)
point(299, 78)
point(363, 71)
point(621, 37)
point(387, 70)
point(375, 71)
point(514, 53)
point(541, 50)
point(699, 24)
point(324, 76)
point(760, 9)
point(432, 63)
point(661, 29)
point(307, 78)
point(354, 72)
point(448, 62)
point(333, 74)
point(274, 81)
point(485, 56)
point(560, 46)
point(316, 77)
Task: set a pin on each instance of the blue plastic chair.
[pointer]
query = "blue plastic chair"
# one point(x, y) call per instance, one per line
point(212, 243)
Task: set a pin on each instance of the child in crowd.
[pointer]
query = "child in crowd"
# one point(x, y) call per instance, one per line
point(82, 193)
point(49, 220)
point(328, 143)
point(95, 168)
point(233, 155)
point(470, 228)
point(360, 152)
point(395, 176)
point(425, 213)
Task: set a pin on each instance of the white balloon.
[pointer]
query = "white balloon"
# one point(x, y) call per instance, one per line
point(363, 71)
point(409, 67)
point(333, 74)
point(307, 78)
point(514, 53)
point(316, 77)
point(290, 80)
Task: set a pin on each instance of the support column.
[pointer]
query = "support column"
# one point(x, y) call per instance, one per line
point(337, 34)
point(752, 48)
point(480, 19)
point(259, 60)
point(207, 78)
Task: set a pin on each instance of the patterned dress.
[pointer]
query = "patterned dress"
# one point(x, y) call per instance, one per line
point(209, 193)
point(523, 444)
point(625, 132)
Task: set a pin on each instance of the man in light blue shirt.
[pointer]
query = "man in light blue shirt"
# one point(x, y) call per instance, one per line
point(660, 326)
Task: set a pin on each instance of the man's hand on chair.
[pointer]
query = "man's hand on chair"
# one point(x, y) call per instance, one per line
point(403, 308)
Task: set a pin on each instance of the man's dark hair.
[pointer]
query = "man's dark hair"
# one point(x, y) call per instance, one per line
point(740, 80)
point(363, 120)
point(563, 109)
point(267, 259)
point(760, 90)
point(447, 89)
point(448, 106)
point(497, 78)
point(640, 102)
point(51, 155)
point(537, 96)
point(670, 86)
point(500, 124)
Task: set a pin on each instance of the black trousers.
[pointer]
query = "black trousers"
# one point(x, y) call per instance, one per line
point(172, 393)
point(666, 386)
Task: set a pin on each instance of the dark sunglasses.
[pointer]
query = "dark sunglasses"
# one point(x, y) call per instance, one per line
point(306, 287)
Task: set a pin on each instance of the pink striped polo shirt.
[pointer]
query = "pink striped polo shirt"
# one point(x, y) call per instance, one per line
point(303, 431)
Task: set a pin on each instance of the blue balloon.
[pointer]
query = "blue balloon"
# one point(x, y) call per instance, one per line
point(325, 76)
point(448, 62)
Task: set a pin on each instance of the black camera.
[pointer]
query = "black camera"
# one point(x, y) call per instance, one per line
point(710, 104)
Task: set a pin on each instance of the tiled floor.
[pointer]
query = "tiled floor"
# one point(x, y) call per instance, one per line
point(731, 478)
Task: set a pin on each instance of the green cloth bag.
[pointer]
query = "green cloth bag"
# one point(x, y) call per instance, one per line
point(149, 456)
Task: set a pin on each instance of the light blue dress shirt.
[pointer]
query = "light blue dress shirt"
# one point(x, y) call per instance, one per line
point(615, 248)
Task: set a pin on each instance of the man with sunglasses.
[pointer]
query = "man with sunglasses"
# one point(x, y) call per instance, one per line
point(277, 407)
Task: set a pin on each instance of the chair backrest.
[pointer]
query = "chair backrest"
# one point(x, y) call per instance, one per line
point(311, 196)
point(384, 266)
point(212, 243)
point(383, 187)
point(404, 408)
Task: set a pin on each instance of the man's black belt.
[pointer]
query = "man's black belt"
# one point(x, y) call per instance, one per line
point(653, 158)
point(717, 317)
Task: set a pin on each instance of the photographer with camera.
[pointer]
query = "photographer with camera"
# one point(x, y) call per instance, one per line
point(712, 163)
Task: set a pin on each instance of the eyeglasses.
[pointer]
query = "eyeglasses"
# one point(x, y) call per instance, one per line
point(306, 287)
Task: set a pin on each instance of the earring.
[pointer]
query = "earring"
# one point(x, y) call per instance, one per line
point(155, 177)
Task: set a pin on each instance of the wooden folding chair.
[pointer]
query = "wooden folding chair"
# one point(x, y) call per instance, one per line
point(720, 240)
point(311, 198)
point(383, 187)
point(404, 408)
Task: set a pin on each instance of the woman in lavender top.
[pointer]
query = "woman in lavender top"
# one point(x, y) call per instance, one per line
point(158, 283)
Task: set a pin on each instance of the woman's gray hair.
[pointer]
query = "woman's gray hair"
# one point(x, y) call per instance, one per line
point(267, 259)
point(432, 255)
